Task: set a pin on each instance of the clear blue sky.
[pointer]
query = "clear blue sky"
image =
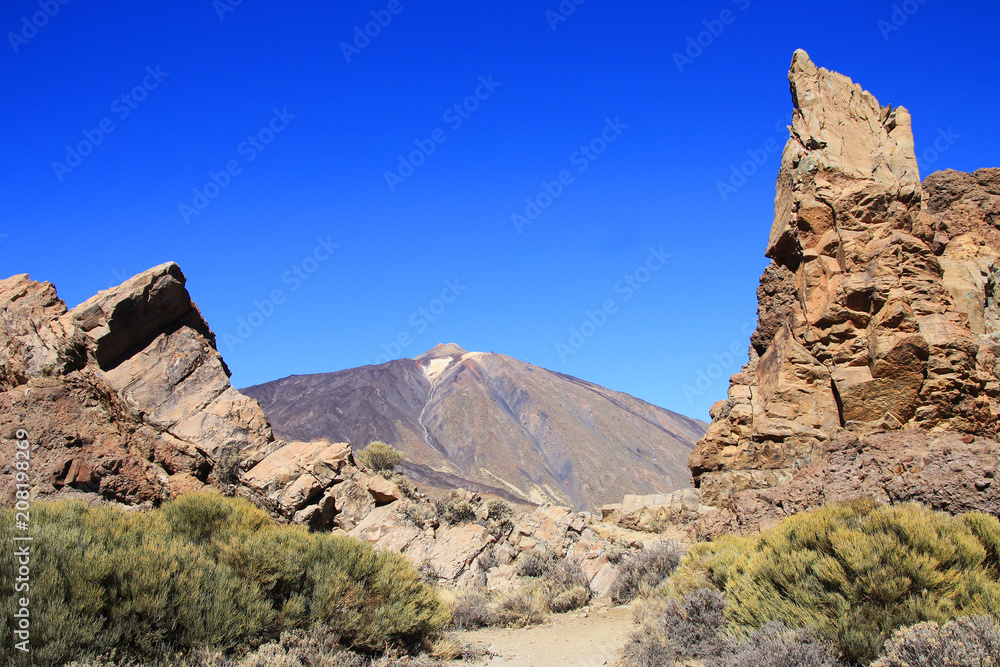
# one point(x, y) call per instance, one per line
point(267, 90)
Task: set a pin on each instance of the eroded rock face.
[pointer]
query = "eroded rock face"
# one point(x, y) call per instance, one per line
point(944, 470)
point(124, 396)
point(880, 308)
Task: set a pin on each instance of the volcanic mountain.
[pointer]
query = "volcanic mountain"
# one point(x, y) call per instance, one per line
point(490, 423)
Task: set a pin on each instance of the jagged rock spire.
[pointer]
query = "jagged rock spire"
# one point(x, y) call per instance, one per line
point(857, 328)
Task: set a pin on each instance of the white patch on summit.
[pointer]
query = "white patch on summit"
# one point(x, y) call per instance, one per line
point(434, 367)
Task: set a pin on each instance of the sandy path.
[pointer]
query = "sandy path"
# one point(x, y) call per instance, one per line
point(582, 639)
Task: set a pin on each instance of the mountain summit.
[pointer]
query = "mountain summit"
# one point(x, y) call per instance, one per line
point(490, 423)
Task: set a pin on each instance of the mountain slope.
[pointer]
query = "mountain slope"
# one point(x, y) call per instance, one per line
point(492, 423)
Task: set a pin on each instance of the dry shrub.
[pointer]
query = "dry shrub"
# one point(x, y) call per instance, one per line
point(471, 610)
point(455, 509)
point(499, 510)
point(527, 605)
point(648, 567)
point(534, 563)
point(964, 642)
point(774, 645)
point(618, 551)
point(688, 629)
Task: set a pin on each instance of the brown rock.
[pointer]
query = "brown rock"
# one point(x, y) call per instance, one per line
point(880, 309)
point(124, 396)
point(353, 501)
point(383, 491)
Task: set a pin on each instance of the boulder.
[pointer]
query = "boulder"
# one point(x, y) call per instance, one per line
point(124, 396)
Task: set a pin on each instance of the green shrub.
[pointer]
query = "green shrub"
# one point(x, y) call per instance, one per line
point(380, 457)
point(963, 642)
point(204, 571)
point(205, 517)
point(856, 571)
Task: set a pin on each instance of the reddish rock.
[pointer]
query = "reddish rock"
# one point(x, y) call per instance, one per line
point(880, 309)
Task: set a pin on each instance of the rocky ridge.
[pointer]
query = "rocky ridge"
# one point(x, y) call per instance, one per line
point(875, 365)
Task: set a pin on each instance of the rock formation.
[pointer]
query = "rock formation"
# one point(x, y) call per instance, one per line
point(492, 424)
point(879, 314)
point(124, 396)
point(126, 399)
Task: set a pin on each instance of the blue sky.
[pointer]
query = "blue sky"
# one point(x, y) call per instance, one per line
point(251, 142)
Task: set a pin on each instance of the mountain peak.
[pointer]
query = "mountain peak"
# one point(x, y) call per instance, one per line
point(442, 350)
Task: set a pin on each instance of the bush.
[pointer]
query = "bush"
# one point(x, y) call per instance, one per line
point(618, 551)
point(405, 485)
point(419, 514)
point(569, 599)
point(534, 563)
point(380, 457)
point(455, 510)
point(488, 560)
point(856, 571)
point(471, 610)
point(688, 629)
point(647, 567)
point(227, 466)
point(204, 571)
point(960, 643)
point(499, 510)
point(527, 605)
point(774, 645)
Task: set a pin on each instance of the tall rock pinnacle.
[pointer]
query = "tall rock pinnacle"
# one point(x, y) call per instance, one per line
point(864, 313)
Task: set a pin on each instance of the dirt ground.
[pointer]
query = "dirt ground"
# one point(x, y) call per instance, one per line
point(589, 638)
